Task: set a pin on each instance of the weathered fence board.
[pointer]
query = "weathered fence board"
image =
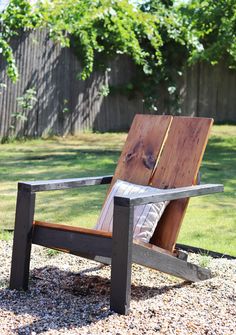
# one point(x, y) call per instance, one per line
point(210, 91)
point(66, 105)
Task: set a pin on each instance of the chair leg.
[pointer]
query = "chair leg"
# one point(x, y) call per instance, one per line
point(22, 240)
point(121, 262)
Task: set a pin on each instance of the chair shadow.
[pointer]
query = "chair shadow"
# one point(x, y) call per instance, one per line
point(54, 296)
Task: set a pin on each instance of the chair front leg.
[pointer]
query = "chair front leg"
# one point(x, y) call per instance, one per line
point(22, 240)
point(121, 262)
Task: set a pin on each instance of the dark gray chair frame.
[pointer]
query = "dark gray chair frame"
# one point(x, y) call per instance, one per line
point(119, 250)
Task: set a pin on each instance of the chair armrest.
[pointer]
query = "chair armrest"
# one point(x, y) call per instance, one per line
point(167, 194)
point(62, 184)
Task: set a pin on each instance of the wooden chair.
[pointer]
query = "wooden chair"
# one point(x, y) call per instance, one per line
point(162, 151)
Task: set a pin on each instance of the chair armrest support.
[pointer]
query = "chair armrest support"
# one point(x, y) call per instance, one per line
point(62, 184)
point(167, 194)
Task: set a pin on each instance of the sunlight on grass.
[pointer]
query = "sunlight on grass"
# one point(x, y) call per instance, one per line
point(210, 221)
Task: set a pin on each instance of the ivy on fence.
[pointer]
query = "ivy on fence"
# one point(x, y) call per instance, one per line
point(158, 36)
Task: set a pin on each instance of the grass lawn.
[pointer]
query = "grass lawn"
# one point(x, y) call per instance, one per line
point(210, 221)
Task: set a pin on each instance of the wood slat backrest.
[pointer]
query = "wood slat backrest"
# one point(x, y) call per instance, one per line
point(178, 166)
point(142, 147)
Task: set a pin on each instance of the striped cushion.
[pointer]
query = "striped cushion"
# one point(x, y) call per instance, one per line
point(146, 217)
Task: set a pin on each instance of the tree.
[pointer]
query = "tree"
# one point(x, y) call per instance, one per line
point(213, 25)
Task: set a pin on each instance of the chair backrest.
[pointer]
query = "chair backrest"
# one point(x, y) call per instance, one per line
point(165, 152)
point(178, 166)
point(141, 149)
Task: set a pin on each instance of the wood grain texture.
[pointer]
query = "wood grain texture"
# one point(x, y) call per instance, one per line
point(178, 167)
point(75, 241)
point(68, 228)
point(142, 148)
point(169, 264)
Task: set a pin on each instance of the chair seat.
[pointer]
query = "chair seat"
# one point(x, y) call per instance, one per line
point(80, 230)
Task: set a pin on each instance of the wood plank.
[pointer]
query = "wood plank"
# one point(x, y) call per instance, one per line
point(121, 261)
point(141, 149)
point(181, 254)
point(154, 247)
point(75, 241)
point(68, 228)
point(157, 195)
point(62, 184)
point(178, 167)
point(169, 264)
point(22, 240)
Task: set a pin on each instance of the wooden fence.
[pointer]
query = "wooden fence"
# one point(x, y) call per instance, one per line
point(66, 105)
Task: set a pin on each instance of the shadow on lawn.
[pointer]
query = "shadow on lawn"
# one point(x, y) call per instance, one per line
point(219, 164)
point(59, 165)
point(59, 299)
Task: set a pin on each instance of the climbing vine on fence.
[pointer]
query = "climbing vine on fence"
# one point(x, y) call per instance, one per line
point(157, 35)
point(19, 16)
point(213, 25)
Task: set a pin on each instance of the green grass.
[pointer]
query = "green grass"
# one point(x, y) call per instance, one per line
point(210, 221)
point(86, 155)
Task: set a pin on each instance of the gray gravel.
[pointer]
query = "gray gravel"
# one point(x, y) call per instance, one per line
point(70, 295)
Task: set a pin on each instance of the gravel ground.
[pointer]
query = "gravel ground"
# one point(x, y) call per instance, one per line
point(70, 295)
